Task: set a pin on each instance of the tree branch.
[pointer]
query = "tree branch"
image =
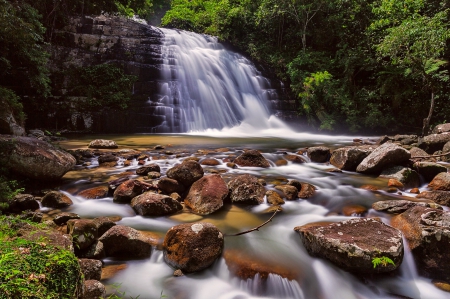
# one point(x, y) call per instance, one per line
point(256, 228)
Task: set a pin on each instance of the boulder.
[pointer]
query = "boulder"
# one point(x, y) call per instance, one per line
point(297, 159)
point(427, 231)
point(169, 186)
point(154, 204)
point(429, 169)
point(441, 182)
point(408, 177)
point(273, 198)
point(348, 158)
point(91, 269)
point(62, 218)
point(95, 192)
point(103, 224)
point(353, 210)
point(446, 149)
point(207, 194)
point(382, 157)
point(103, 144)
point(319, 154)
point(434, 142)
point(290, 192)
point(442, 128)
point(400, 206)
point(144, 170)
point(93, 289)
point(130, 189)
point(417, 152)
point(306, 191)
point(107, 158)
point(439, 197)
point(355, 244)
point(186, 173)
point(23, 202)
point(252, 158)
point(210, 162)
point(34, 158)
point(124, 241)
point(83, 231)
point(192, 247)
point(56, 200)
point(246, 189)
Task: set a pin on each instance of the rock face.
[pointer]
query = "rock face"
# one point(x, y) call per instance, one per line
point(400, 206)
point(186, 173)
point(434, 142)
point(246, 189)
point(207, 194)
point(319, 154)
point(153, 204)
point(428, 234)
point(384, 156)
point(103, 144)
point(124, 241)
point(408, 177)
point(34, 158)
point(192, 247)
point(429, 169)
point(441, 182)
point(56, 200)
point(439, 197)
point(348, 158)
point(354, 244)
point(252, 158)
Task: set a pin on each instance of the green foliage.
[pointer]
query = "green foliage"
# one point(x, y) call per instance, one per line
point(104, 85)
point(382, 261)
point(10, 101)
point(8, 190)
point(35, 269)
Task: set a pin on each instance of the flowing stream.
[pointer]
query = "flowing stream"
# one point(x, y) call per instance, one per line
point(223, 102)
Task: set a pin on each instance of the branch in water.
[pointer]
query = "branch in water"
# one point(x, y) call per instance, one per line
point(256, 228)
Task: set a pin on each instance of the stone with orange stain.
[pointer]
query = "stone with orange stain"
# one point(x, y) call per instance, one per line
point(109, 271)
point(351, 210)
point(94, 193)
point(281, 162)
point(210, 162)
point(441, 182)
point(396, 183)
point(369, 188)
point(415, 191)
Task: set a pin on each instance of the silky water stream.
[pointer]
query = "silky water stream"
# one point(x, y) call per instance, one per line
point(219, 99)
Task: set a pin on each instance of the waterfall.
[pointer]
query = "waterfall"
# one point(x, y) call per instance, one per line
point(205, 86)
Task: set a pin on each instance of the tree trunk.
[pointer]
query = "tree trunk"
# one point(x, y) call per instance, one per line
point(426, 121)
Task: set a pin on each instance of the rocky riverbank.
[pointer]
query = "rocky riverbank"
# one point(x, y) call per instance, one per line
point(204, 183)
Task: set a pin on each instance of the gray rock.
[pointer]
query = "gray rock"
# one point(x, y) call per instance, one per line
point(348, 158)
point(429, 169)
point(23, 202)
point(400, 206)
point(442, 128)
point(384, 156)
point(446, 149)
point(91, 268)
point(56, 200)
point(434, 142)
point(93, 289)
point(144, 170)
point(408, 177)
point(62, 218)
point(124, 241)
point(83, 231)
point(103, 144)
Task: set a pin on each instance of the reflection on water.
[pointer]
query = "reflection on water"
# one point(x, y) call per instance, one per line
point(276, 243)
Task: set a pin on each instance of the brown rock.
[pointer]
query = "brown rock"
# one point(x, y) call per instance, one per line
point(354, 210)
point(93, 289)
point(415, 191)
point(274, 198)
point(429, 169)
point(207, 194)
point(348, 158)
point(319, 154)
point(95, 193)
point(62, 218)
point(169, 186)
point(400, 206)
point(153, 204)
point(23, 202)
point(246, 189)
point(441, 182)
point(369, 188)
point(124, 241)
point(103, 224)
point(83, 231)
point(289, 192)
point(56, 200)
point(210, 162)
point(186, 173)
point(384, 156)
point(103, 144)
point(144, 170)
point(281, 163)
point(307, 191)
point(91, 269)
point(439, 197)
point(295, 159)
point(252, 158)
point(395, 183)
point(130, 189)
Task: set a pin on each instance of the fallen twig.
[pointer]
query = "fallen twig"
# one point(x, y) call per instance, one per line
point(256, 228)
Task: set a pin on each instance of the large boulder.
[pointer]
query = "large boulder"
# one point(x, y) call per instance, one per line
point(56, 200)
point(124, 241)
point(154, 204)
point(192, 247)
point(434, 142)
point(130, 189)
point(427, 231)
point(169, 186)
point(34, 158)
point(246, 189)
point(382, 157)
point(83, 231)
point(355, 244)
point(207, 194)
point(103, 144)
point(23, 202)
point(439, 197)
point(186, 173)
point(348, 158)
point(441, 182)
point(252, 158)
point(408, 177)
point(400, 206)
point(442, 128)
point(319, 154)
point(429, 169)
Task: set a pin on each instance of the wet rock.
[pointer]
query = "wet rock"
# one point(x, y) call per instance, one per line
point(192, 247)
point(274, 198)
point(348, 158)
point(319, 154)
point(428, 234)
point(130, 189)
point(408, 177)
point(382, 157)
point(153, 204)
point(434, 142)
point(62, 218)
point(169, 186)
point(369, 188)
point(176, 196)
point(297, 184)
point(396, 184)
point(210, 162)
point(91, 269)
point(353, 210)
point(429, 169)
point(353, 244)
point(95, 193)
point(290, 192)
point(186, 173)
point(252, 158)
point(93, 289)
point(207, 194)
point(23, 202)
point(439, 197)
point(34, 158)
point(245, 189)
point(295, 159)
point(415, 191)
point(107, 158)
point(56, 200)
point(95, 251)
point(83, 232)
point(306, 191)
point(383, 140)
point(445, 286)
point(246, 266)
point(145, 170)
point(124, 241)
point(400, 206)
point(103, 224)
point(442, 128)
point(441, 182)
point(281, 162)
point(153, 175)
point(103, 144)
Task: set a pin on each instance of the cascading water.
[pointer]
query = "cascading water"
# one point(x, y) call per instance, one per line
point(205, 86)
